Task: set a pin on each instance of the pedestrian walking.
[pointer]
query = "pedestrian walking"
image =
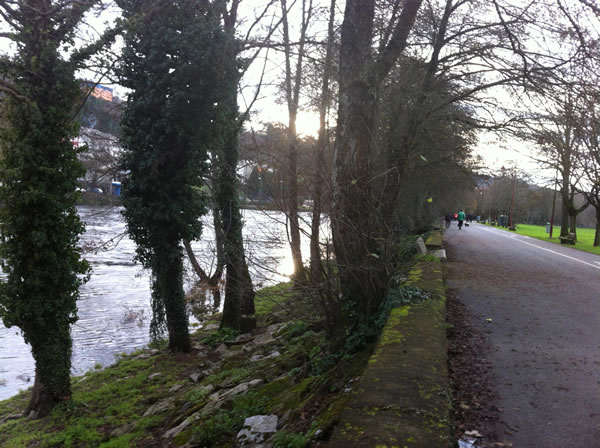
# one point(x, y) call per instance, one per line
point(448, 218)
point(461, 219)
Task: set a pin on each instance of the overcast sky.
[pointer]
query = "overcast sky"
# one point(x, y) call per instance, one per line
point(494, 151)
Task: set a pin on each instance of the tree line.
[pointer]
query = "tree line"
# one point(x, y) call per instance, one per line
point(406, 84)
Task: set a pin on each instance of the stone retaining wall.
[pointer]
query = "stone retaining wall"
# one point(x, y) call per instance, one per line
point(402, 399)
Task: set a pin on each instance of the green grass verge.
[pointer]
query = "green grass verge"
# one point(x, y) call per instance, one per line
point(585, 237)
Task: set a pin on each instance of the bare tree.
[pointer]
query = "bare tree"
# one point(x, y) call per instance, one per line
point(589, 134)
point(293, 83)
point(323, 142)
point(357, 248)
point(557, 133)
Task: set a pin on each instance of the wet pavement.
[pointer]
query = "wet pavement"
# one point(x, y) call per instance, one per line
point(539, 305)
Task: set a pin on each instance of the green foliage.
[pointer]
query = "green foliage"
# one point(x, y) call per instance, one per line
point(167, 128)
point(230, 376)
point(408, 295)
point(197, 395)
point(123, 441)
point(368, 330)
point(40, 228)
point(77, 434)
point(117, 396)
point(221, 426)
point(218, 337)
point(102, 401)
point(428, 257)
point(406, 248)
point(298, 328)
point(284, 439)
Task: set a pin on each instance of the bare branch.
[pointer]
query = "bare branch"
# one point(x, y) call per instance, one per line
point(399, 39)
point(12, 90)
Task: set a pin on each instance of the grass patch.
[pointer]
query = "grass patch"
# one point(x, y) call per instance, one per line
point(585, 236)
point(269, 299)
point(102, 401)
point(216, 338)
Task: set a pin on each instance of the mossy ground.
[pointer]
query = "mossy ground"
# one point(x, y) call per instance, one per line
point(108, 405)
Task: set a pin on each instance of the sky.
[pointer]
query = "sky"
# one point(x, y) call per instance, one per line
point(268, 108)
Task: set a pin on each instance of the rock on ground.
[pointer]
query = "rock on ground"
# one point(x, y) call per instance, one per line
point(256, 429)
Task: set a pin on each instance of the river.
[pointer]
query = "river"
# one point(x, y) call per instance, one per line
point(114, 307)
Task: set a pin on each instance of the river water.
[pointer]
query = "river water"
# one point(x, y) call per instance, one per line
point(114, 307)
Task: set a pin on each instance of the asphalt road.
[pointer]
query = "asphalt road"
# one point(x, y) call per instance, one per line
point(544, 304)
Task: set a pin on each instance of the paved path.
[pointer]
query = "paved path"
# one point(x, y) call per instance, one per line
point(544, 302)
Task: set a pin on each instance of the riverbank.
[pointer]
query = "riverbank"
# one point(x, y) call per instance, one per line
point(281, 372)
point(114, 305)
point(152, 397)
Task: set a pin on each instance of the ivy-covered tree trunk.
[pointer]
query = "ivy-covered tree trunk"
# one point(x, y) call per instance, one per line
point(168, 271)
point(52, 382)
point(239, 292)
point(235, 264)
point(168, 125)
point(39, 168)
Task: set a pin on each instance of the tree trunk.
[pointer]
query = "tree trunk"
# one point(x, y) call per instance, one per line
point(247, 306)
point(316, 276)
point(52, 355)
point(239, 292)
point(292, 199)
point(564, 216)
point(357, 244)
point(195, 265)
point(292, 90)
point(597, 234)
point(316, 272)
point(42, 401)
point(211, 281)
point(573, 225)
point(169, 279)
point(352, 200)
point(215, 278)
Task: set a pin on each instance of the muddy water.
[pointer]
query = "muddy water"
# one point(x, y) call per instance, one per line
point(114, 311)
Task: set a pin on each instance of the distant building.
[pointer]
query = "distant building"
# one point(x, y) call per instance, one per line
point(244, 169)
point(100, 91)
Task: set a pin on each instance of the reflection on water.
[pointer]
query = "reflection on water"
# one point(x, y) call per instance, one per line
point(114, 311)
